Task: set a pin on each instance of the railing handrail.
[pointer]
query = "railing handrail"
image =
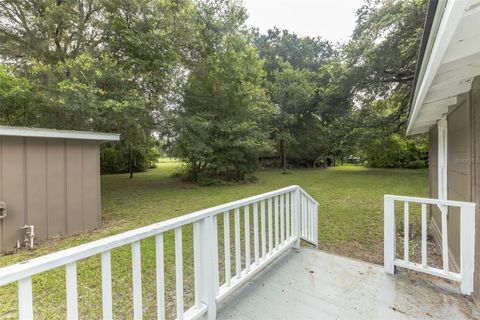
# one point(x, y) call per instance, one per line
point(466, 231)
point(307, 195)
point(60, 258)
point(450, 203)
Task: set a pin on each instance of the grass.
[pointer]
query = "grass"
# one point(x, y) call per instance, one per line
point(350, 223)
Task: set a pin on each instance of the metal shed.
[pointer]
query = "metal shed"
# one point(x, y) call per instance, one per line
point(49, 179)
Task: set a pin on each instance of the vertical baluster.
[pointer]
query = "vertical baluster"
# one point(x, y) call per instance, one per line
point(287, 213)
point(282, 218)
point(406, 232)
point(25, 301)
point(72, 293)
point(179, 272)
point(137, 280)
point(197, 262)
point(215, 254)
point(444, 211)
point(315, 224)
point(304, 224)
point(255, 234)
point(238, 253)
point(311, 220)
point(226, 241)
point(277, 235)
point(264, 236)
point(246, 213)
point(270, 226)
point(160, 276)
point(424, 235)
point(106, 285)
point(296, 230)
point(307, 217)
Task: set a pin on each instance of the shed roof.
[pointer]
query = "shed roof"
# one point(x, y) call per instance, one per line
point(60, 134)
point(450, 61)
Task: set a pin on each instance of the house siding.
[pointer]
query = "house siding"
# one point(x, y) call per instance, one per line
point(50, 183)
point(474, 102)
point(458, 176)
point(463, 173)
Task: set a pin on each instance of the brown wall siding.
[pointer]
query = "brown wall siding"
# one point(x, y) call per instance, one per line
point(53, 184)
point(458, 164)
point(474, 101)
point(74, 154)
point(56, 195)
point(463, 174)
point(458, 172)
point(36, 162)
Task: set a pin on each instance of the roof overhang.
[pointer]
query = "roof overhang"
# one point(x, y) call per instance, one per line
point(450, 60)
point(59, 134)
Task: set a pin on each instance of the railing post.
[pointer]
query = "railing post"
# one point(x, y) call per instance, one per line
point(209, 267)
point(315, 224)
point(296, 210)
point(389, 235)
point(467, 247)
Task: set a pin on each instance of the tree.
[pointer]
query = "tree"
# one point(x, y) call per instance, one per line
point(292, 92)
point(105, 65)
point(17, 98)
point(222, 128)
point(381, 59)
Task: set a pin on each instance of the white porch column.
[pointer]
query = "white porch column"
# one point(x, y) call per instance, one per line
point(443, 185)
point(442, 158)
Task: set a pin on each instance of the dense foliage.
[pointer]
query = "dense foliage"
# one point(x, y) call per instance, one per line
point(189, 78)
point(223, 126)
point(381, 59)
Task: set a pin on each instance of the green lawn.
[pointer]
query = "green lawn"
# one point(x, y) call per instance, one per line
point(350, 223)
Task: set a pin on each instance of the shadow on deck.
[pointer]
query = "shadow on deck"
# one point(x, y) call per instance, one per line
point(311, 284)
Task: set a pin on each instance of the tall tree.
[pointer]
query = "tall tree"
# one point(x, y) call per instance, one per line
point(381, 59)
point(105, 65)
point(222, 128)
point(292, 92)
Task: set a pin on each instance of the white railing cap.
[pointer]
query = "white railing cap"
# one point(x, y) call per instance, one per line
point(57, 259)
point(451, 203)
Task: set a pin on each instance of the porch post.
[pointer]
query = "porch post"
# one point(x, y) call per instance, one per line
point(467, 247)
point(442, 128)
point(296, 206)
point(209, 267)
point(389, 235)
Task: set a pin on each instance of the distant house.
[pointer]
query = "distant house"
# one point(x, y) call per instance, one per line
point(49, 180)
point(446, 105)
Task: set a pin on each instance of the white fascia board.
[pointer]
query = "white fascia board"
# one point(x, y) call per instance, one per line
point(59, 134)
point(452, 16)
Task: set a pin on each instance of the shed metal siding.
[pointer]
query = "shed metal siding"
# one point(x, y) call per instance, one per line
point(51, 183)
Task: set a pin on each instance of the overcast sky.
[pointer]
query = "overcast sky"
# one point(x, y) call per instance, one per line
point(334, 20)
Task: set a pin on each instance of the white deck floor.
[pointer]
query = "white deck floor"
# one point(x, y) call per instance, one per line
point(310, 284)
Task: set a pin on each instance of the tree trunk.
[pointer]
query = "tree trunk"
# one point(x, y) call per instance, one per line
point(283, 151)
point(130, 161)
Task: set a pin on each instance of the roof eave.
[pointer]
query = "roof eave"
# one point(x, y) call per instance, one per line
point(58, 134)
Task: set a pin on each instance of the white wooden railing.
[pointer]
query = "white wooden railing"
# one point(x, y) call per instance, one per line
point(467, 239)
point(280, 219)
